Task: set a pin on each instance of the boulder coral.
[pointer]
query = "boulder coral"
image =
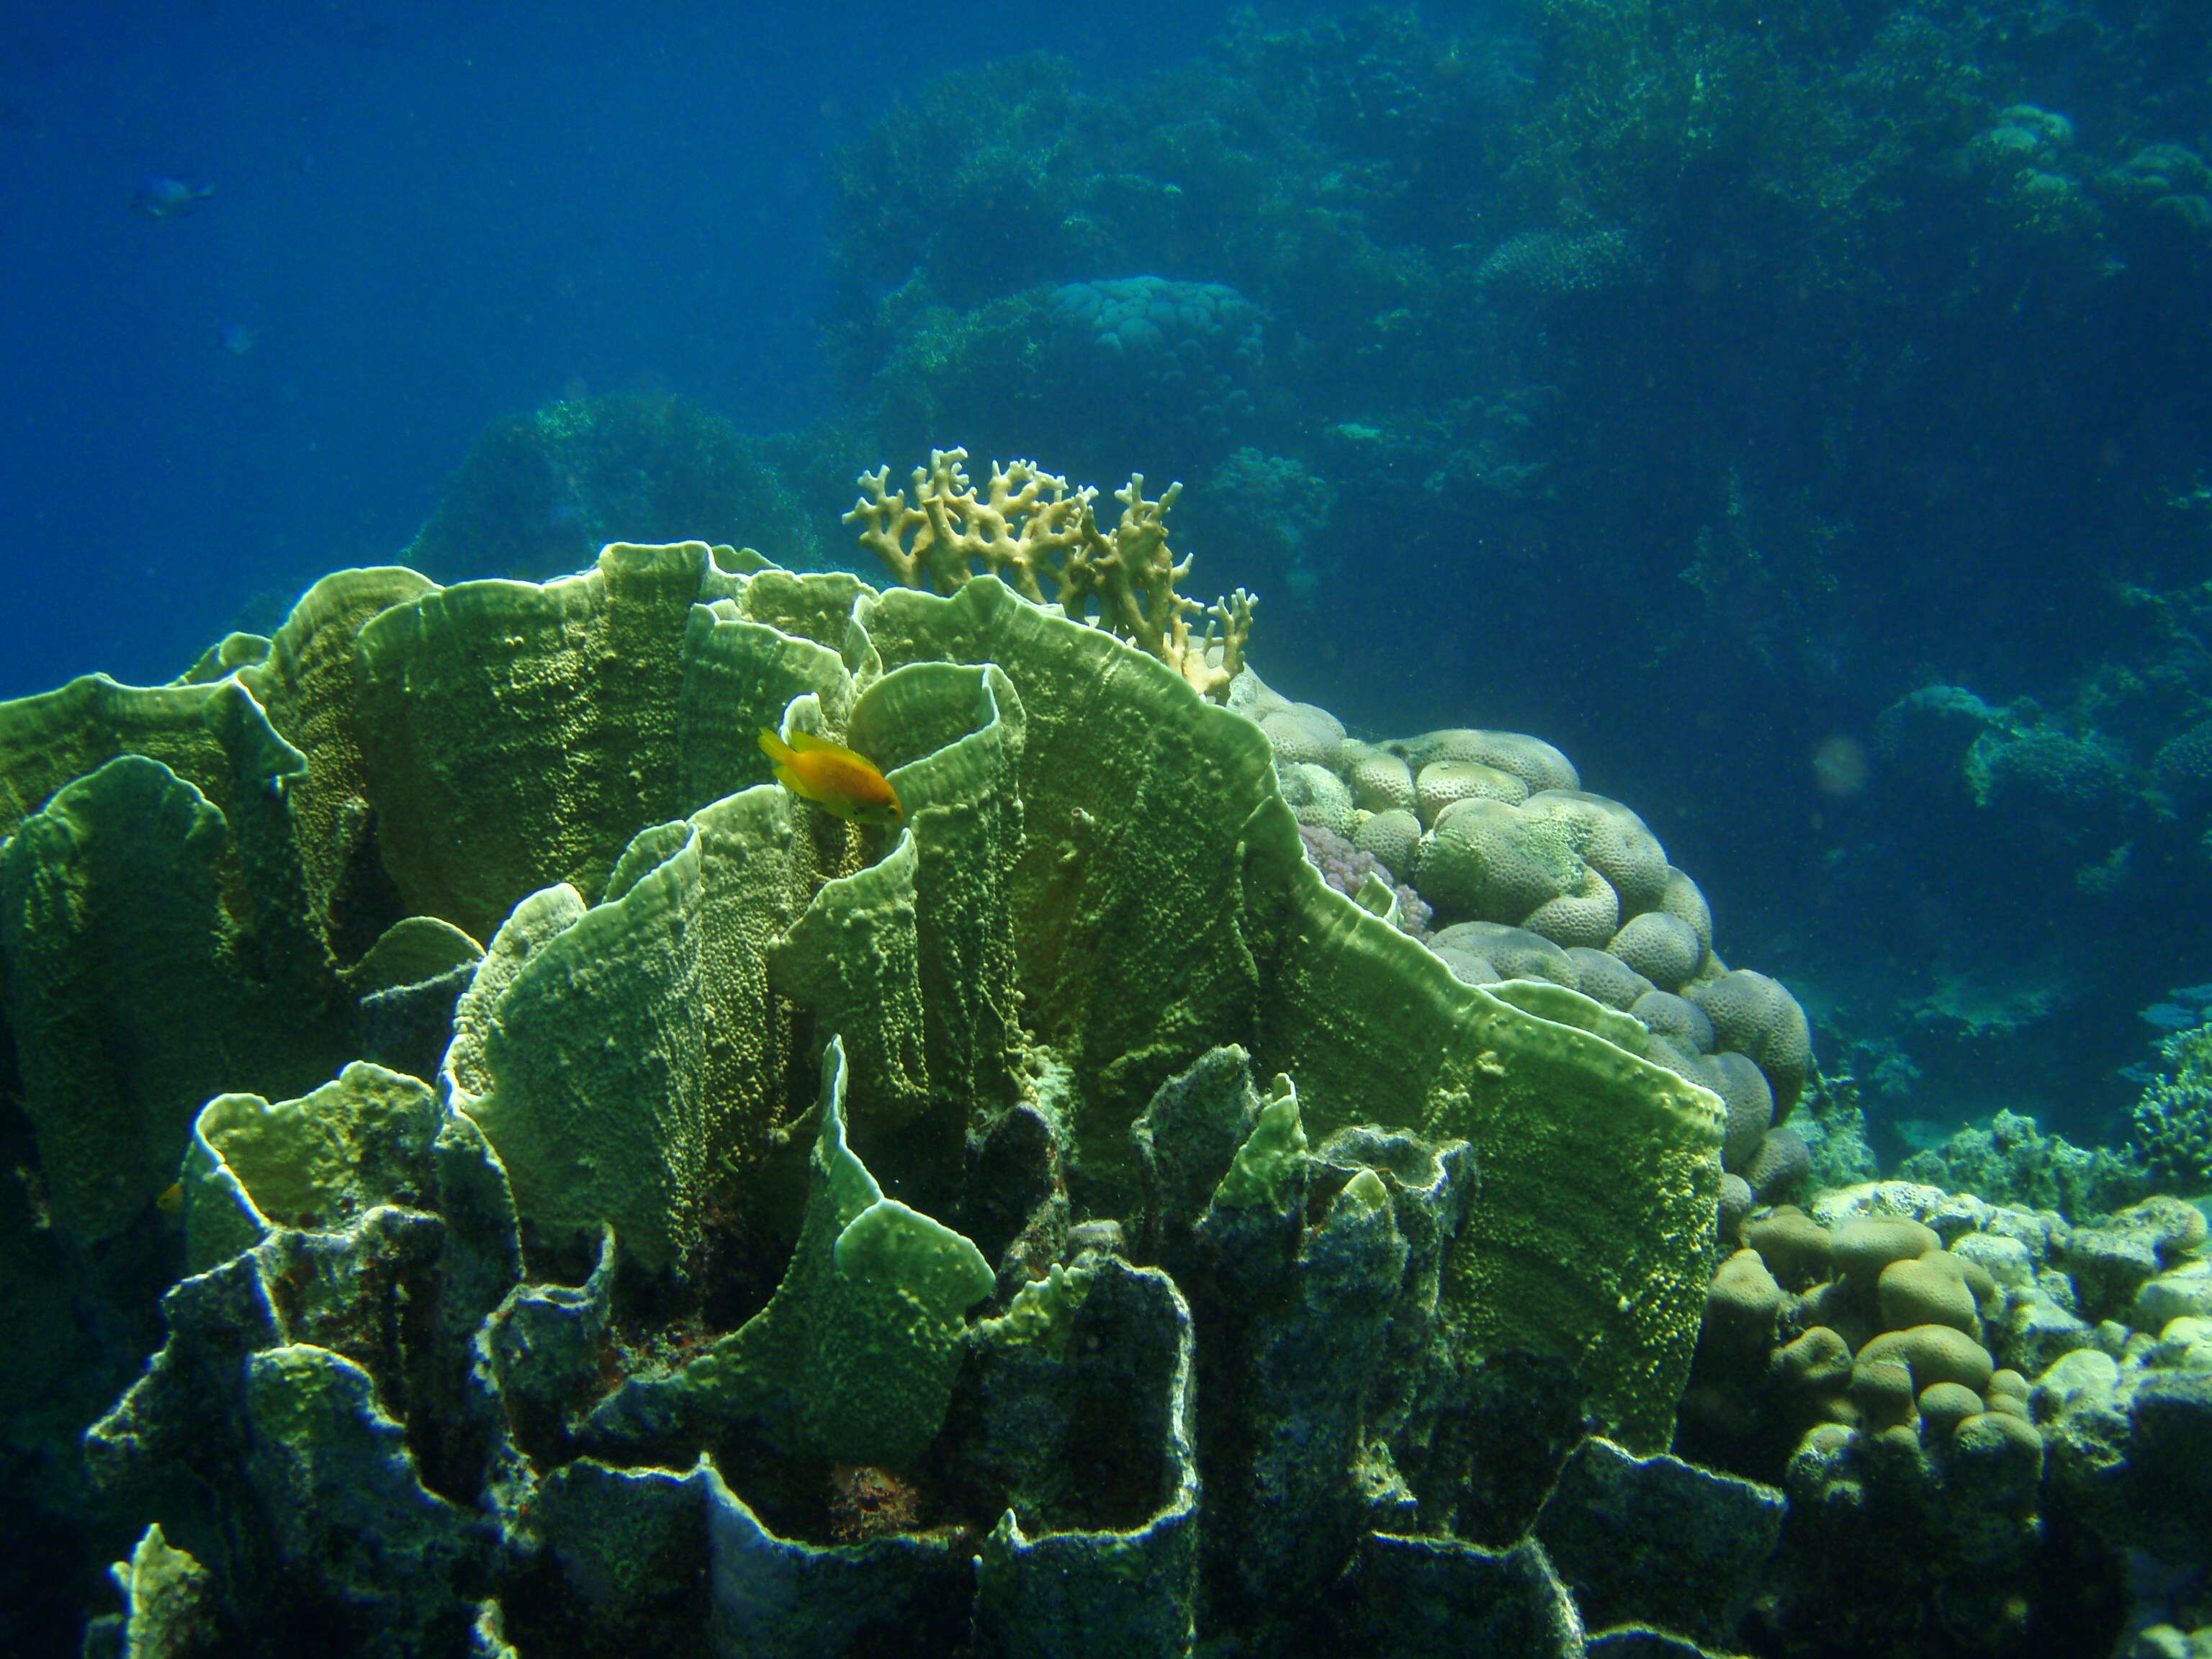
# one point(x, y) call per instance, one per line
point(1950, 1390)
point(1530, 877)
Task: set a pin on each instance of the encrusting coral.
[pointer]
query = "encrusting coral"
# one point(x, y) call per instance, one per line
point(1029, 530)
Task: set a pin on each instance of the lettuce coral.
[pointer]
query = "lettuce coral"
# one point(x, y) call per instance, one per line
point(742, 1106)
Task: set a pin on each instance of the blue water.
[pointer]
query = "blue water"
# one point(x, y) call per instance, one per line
point(428, 216)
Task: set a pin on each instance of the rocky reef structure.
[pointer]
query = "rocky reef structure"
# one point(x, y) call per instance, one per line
point(2092, 855)
point(540, 494)
point(1977, 1394)
point(2174, 1118)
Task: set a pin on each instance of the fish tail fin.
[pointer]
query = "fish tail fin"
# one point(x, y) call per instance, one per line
point(776, 749)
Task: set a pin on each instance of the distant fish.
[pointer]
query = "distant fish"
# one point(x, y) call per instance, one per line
point(172, 1199)
point(160, 196)
point(237, 339)
point(833, 777)
point(2168, 1016)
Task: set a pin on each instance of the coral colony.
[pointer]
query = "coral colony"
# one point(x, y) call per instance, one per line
point(1189, 1176)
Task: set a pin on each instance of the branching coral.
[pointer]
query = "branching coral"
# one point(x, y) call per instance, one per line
point(1027, 528)
point(2174, 1118)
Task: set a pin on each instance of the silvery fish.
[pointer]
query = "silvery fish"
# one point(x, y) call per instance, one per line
point(160, 196)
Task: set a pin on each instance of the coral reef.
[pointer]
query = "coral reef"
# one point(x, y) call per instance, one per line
point(541, 493)
point(1620, 314)
point(2013, 1162)
point(1270, 515)
point(1533, 878)
point(2173, 1127)
point(1956, 1391)
point(607, 1319)
point(633, 1211)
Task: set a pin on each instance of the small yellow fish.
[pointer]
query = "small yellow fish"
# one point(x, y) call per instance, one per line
point(833, 777)
point(172, 1199)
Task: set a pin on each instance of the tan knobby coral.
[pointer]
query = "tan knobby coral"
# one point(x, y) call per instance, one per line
point(1027, 527)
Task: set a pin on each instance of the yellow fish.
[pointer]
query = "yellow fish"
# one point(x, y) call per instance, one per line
point(172, 1199)
point(833, 777)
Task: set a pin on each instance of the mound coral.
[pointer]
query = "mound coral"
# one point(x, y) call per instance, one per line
point(1533, 877)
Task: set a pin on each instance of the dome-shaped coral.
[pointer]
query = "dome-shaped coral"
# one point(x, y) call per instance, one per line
point(1489, 860)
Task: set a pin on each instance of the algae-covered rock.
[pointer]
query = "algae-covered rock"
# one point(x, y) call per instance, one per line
point(277, 1461)
point(320, 1161)
point(1658, 1542)
point(1091, 1552)
point(779, 1598)
point(169, 1606)
point(1427, 1595)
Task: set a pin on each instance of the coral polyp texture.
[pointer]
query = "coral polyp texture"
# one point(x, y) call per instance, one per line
point(539, 1187)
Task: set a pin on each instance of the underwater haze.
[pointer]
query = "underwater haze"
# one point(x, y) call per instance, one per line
point(421, 218)
point(1306, 830)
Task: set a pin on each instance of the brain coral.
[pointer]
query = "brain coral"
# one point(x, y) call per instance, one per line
point(1535, 762)
point(1444, 781)
point(1490, 862)
point(1587, 916)
point(1663, 948)
point(1380, 783)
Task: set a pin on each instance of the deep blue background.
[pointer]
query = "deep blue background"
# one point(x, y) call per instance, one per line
point(429, 217)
